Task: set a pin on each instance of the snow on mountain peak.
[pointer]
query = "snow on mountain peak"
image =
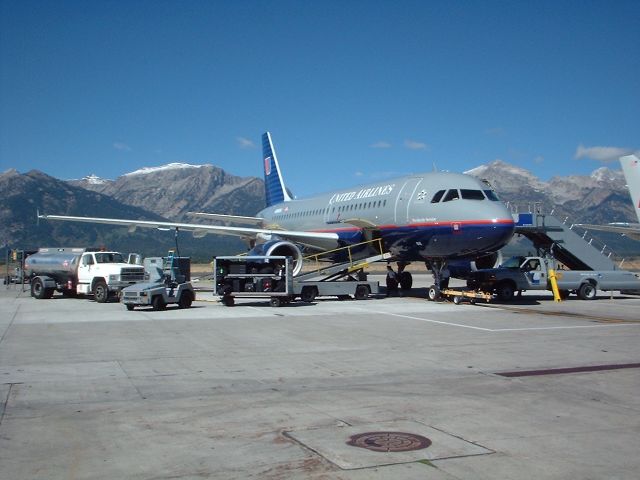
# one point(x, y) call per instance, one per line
point(93, 179)
point(603, 174)
point(169, 166)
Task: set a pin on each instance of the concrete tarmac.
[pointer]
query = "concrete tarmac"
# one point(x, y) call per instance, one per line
point(532, 389)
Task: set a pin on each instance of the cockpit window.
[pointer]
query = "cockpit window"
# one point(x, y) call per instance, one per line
point(436, 198)
point(468, 194)
point(491, 195)
point(451, 195)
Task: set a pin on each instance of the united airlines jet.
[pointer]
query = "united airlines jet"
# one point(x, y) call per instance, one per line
point(432, 217)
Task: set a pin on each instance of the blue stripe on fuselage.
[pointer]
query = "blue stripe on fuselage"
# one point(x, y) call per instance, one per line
point(413, 243)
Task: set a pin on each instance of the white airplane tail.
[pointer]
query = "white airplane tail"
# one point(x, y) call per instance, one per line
point(274, 189)
point(631, 169)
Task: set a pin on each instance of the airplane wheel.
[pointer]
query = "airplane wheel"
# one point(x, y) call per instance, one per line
point(434, 293)
point(406, 281)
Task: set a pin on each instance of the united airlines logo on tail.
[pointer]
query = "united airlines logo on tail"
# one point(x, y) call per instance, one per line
point(267, 166)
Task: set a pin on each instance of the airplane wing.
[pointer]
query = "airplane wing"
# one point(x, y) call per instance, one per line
point(312, 239)
point(631, 230)
point(228, 218)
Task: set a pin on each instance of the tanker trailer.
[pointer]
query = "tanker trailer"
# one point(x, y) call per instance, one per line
point(78, 271)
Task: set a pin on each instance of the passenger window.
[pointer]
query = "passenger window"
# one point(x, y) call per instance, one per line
point(436, 198)
point(491, 195)
point(451, 195)
point(468, 194)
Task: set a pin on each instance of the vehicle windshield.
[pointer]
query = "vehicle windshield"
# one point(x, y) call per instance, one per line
point(109, 257)
point(513, 262)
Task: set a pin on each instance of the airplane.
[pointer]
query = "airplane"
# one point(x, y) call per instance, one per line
point(437, 218)
point(631, 170)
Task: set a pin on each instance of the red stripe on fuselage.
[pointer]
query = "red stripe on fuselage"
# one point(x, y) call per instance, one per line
point(448, 223)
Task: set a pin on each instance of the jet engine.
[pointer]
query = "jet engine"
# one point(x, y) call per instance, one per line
point(281, 248)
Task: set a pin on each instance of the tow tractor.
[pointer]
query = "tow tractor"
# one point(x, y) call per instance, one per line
point(172, 284)
point(272, 277)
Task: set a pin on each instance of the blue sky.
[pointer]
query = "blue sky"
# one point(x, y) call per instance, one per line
point(351, 90)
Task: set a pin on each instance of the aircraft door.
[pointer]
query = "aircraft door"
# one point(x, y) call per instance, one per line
point(403, 200)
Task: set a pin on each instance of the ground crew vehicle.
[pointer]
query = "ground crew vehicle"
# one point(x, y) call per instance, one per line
point(79, 271)
point(518, 274)
point(171, 285)
point(272, 277)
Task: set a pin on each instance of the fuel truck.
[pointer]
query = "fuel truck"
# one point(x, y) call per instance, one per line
point(80, 271)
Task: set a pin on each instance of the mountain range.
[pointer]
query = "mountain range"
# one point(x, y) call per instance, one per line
point(168, 192)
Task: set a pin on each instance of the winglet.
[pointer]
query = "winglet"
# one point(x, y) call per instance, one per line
point(275, 191)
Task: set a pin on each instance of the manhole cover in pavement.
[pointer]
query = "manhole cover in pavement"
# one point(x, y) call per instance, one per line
point(389, 441)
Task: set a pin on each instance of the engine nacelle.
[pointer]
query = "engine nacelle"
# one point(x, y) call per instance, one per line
point(281, 248)
point(462, 268)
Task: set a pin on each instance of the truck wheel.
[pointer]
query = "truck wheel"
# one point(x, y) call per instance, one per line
point(129, 306)
point(101, 291)
point(505, 292)
point(308, 294)
point(186, 299)
point(37, 289)
point(362, 292)
point(275, 301)
point(228, 301)
point(158, 303)
point(406, 281)
point(587, 291)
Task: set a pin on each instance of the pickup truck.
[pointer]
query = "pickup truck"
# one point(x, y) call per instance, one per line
point(518, 274)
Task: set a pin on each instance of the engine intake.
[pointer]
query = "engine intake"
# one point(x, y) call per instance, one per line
point(281, 248)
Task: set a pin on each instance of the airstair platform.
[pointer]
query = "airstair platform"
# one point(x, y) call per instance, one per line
point(566, 245)
point(337, 271)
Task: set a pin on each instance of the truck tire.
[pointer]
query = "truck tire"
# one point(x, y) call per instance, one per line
point(587, 291)
point(101, 291)
point(186, 299)
point(275, 301)
point(37, 289)
point(130, 306)
point(308, 294)
point(406, 281)
point(505, 291)
point(158, 303)
point(362, 292)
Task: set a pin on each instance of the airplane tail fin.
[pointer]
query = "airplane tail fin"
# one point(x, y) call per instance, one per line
point(631, 169)
point(275, 191)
